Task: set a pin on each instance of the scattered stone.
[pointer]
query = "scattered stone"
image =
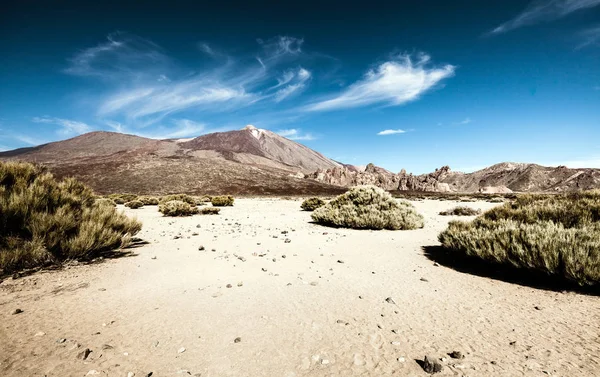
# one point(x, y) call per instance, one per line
point(324, 361)
point(264, 269)
point(181, 350)
point(40, 333)
point(201, 248)
point(229, 285)
point(314, 283)
point(456, 355)
point(177, 237)
point(423, 279)
point(340, 261)
point(436, 264)
point(154, 257)
point(61, 340)
point(287, 240)
point(538, 307)
point(493, 362)
point(283, 256)
point(213, 250)
point(92, 372)
point(194, 234)
point(395, 343)
point(84, 354)
point(240, 283)
point(401, 359)
point(102, 289)
point(513, 343)
point(431, 365)
point(130, 374)
point(390, 300)
point(17, 311)
point(107, 347)
point(237, 340)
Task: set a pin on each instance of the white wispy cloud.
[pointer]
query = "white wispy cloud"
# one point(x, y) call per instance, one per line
point(29, 140)
point(295, 134)
point(67, 126)
point(464, 121)
point(390, 132)
point(393, 83)
point(544, 10)
point(590, 37)
point(292, 82)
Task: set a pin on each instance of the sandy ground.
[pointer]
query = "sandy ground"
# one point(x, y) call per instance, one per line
point(313, 306)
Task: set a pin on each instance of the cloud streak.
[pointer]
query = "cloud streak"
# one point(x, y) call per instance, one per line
point(390, 132)
point(68, 127)
point(590, 37)
point(465, 121)
point(543, 11)
point(295, 134)
point(392, 83)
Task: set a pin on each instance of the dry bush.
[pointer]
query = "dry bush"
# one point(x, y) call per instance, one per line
point(134, 204)
point(222, 201)
point(106, 201)
point(180, 197)
point(177, 208)
point(311, 204)
point(117, 200)
point(44, 221)
point(124, 198)
point(210, 211)
point(368, 207)
point(461, 211)
point(149, 200)
point(559, 235)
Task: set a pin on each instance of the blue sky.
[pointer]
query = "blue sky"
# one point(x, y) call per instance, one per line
point(414, 85)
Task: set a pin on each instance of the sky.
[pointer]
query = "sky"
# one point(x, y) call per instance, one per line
point(409, 85)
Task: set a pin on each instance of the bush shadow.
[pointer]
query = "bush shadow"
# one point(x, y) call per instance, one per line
point(506, 273)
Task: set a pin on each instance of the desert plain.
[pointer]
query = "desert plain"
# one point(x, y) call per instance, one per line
point(260, 290)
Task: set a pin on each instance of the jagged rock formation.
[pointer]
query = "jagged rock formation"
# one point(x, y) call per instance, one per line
point(499, 178)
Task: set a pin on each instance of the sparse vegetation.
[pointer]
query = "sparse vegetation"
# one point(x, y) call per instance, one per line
point(311, 204)
point(123, 198)
point(177, 208)
point(45, 221)
point(149, 200)
point(368, 207)
point(210, 211)
point(461, 211)
point(557, 234)
point(134, 204)
point(179, 197)
point(222, 201)
point(106, 201)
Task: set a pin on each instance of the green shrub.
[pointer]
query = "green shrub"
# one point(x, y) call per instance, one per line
point(44, 221)
point(177, 208)
point(148, 200)
point(134, 204)
point(311, 204)
point(210, 211)
point(461, 211)
point(180, 197)
point(222, 201)
point(368, 207)
point(559, 235)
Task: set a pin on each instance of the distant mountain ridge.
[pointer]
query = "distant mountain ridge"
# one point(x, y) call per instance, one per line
point(259, 162)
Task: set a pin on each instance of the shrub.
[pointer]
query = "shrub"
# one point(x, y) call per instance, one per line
point(368, 207)
point(106, 201)
point(559, 235)
point(118, 200)
point(222, 201)
point(180, 197)
point(177, 208)
point(200, 201)
point(123, 197)
point(210, 211)
point(148, 200)
point(44, 221)
point(461, 211)
point(205, 199)
point(134, 204)
point(311, 204)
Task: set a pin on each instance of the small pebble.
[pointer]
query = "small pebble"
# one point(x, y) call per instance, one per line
point(17, 311)
point(181, 350)
point(237, 340)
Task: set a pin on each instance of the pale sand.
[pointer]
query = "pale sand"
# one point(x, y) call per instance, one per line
point(306, 315)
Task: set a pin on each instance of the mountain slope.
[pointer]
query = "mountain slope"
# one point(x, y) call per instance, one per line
point(234, 145)
point(235, 162)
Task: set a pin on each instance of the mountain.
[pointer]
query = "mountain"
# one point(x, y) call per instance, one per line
point(253, 161)
point(500, 178)
point(248, 161)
